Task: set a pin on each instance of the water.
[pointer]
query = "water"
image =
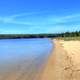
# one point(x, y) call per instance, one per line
point(22, 57)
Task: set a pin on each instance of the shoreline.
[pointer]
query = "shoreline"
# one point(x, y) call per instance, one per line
point(61, 64)
point(51, 65)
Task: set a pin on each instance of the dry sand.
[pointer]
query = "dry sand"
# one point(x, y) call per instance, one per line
point(64, 62)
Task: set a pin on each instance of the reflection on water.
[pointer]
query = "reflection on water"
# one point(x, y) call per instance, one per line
point(22, 56)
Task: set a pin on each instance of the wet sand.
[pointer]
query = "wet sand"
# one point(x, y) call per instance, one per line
point(23, 70)
point(23, 59)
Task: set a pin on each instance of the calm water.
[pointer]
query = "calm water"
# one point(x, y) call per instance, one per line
point(23, 54)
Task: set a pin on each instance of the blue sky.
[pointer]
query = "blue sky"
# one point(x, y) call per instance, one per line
point(39, 16)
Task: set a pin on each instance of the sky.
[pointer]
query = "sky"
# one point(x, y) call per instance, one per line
point(39, 16)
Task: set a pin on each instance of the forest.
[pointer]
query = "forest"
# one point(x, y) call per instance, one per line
point(51, 35)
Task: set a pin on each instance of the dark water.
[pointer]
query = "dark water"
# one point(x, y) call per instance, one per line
point(23, 55)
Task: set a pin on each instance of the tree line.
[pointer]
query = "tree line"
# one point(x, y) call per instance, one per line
point(69, 34)
point(66, 34)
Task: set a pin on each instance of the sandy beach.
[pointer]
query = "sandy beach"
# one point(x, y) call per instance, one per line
point(64, 61)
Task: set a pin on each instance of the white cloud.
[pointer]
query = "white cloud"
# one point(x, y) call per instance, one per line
point(12, 18)
point(46, 21)
point(6, 20)
point(64, 19)
point(24, 14)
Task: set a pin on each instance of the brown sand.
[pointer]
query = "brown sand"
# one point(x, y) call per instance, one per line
point(64, 62)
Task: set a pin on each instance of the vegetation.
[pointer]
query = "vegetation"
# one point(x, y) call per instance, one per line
point(13, 36)
point(66, 35)
point(69, 35)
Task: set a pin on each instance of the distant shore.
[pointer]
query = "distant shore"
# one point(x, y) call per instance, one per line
point(65, 35)
point(16, 36)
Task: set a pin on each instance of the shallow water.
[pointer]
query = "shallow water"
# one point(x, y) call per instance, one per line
point(22, 56)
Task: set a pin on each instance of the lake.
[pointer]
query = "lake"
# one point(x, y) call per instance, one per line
point(21, 59)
